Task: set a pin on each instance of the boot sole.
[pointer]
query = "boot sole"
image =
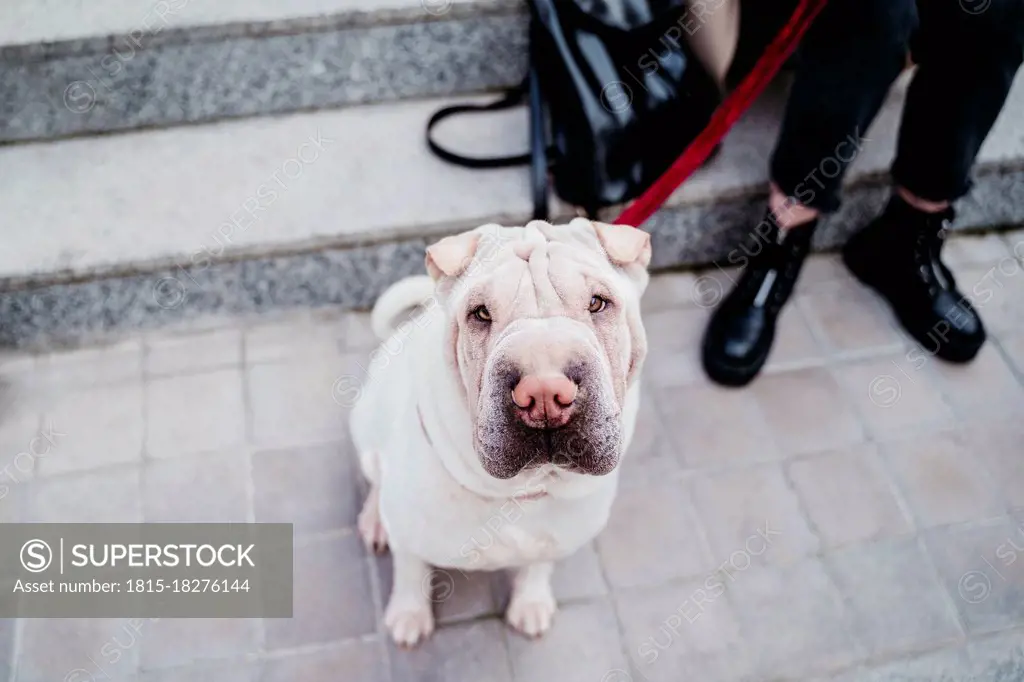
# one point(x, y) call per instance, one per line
point(954, 353)
point(733, 376)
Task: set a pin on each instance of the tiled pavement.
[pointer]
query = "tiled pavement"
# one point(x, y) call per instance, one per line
point(856, 514)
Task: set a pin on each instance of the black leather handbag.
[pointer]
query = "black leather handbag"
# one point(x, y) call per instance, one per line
point(615, 95)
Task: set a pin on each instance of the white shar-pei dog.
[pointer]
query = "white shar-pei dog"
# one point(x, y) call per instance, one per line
point(493, 422)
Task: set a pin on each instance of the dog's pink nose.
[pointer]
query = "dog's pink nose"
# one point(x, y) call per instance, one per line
point(545, 400)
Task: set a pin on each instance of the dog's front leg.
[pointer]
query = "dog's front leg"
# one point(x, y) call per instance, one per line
point(533, 603)
point(408, 615)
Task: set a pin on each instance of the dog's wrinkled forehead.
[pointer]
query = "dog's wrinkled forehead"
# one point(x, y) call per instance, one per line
point(497, 241)
point(487, 245)
point(494, 252)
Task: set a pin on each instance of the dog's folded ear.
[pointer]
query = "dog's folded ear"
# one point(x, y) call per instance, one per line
point(452, 255)
point(624, 245)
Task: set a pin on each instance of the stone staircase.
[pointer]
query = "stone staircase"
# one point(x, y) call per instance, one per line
point(116, 65)
point(173, 160)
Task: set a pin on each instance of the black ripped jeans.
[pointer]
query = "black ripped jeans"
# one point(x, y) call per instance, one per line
point(967, 52)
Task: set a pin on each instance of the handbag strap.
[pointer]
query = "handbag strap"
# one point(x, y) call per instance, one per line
point(538, 147)
point(510, 99)
point(537, 157)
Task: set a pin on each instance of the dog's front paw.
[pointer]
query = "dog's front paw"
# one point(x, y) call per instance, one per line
point(409, 623)
point(532, 615)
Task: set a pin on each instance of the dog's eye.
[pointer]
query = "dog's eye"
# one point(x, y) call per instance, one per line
point(481, 313)
point(597, 304)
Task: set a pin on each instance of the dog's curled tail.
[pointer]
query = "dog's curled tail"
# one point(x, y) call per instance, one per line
point(400, 297)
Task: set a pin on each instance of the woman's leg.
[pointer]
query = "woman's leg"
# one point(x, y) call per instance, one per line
point(967, 61)
point(717, 31)
point(966, 65)
point(848, 61)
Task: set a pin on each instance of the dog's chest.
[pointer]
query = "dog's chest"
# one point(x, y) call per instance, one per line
point(478, 536)
point(513, 533)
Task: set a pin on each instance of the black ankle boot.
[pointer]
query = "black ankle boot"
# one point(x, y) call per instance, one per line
point(740, 333)
point(898, 255)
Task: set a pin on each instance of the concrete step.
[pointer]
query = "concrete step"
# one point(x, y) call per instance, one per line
point(328, 208)
point(108, 65)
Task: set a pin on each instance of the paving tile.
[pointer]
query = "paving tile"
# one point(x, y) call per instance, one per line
point(80, 649)
point(195, 413)
point(292, 402)
point(890, 398)
point(793, 620)
point(652, 537)
point(313, 487)
point(231, 671)
point(7, 632)
point(582, 646)
point(807, 411)
point(207, 488)
point(849, 319)
point(673, 345)
point(985, 387)
point(820, 270)
point(14, 503)
point(947, 665)
point(855, 674)
point(363, 661)
point(682, 631)
point(96, 427)
point(997, 445)
point(999, 658)
point(848, 496)
point(714, 426)
point(105, 496)
point(457, 595)
point(278, 341)
point(795, 346)
point(650, 456)
point(175, 642)
point(982, 568)
point(188, 353)
point(996, 292)
point(1013, 346)
point(332, 595)
point(463, 595)
point(579, 576)
point(940, 478)
point(975, 250)
point(468, 652)
point(653, 551)
point(751, 516)
point(670, 290)
point(90, 367)
point(711, 285)
point(897, 604)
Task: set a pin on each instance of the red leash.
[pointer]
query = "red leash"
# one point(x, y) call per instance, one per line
point(738, 101)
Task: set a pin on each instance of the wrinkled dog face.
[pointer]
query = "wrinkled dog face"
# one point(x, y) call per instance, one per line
point(545, 335)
